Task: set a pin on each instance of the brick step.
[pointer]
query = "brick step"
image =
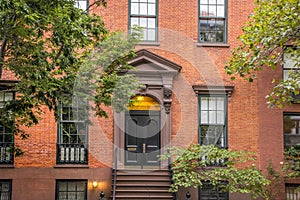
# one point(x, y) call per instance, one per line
point(143, 172)
point(143, 196)
point(142, 184)
point(145, 189)
point(142, 178)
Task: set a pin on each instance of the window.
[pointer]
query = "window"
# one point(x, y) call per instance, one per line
point(291, 192)
point(6, 130)
point(5, 189)
point(208, 192)
point(291, 127)
point(143, 13)
point(82, 4)
point(212, 21)
point(71, 190)
point(291, 63)
point(212, 120)
point(72, 131)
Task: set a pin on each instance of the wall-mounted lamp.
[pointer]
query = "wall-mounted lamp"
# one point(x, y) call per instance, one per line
point(95, 184)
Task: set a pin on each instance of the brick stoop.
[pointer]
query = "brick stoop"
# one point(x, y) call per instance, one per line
point(143, 185)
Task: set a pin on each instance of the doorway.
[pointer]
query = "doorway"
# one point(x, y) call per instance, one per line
point(142, 133)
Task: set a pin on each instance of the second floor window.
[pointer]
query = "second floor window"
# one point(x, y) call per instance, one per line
point(212, 21)
point(143, 13)
point(82, 4)
point(6, 130)
point(212, 120)
point(290, 62)
point(72, 131)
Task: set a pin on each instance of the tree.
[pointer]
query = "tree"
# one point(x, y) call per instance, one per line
point(225, 170)
point(271, 30)
point(50, 46)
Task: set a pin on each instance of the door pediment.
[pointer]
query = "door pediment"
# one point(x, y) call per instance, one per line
point(152, 69)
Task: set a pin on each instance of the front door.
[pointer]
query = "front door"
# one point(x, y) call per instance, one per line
point(142, 138)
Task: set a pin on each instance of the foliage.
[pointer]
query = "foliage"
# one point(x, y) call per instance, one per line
point(273, 26)
point(200, 164)
point(48, 45)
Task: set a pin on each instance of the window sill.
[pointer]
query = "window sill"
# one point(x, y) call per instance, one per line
point(224, 45)
point(71, 166)
point(148, 44)
point(7, 166)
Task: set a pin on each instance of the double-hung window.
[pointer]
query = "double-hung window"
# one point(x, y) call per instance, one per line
point(213, 120)
point(292, 191)
point(143, 13)
point(5, 189)
point(6, 129)
point(213, 21)
point(71, 190)
point(72, 131)
point(82, 4)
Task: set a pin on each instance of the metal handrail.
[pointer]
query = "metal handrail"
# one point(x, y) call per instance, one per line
point(115, 172)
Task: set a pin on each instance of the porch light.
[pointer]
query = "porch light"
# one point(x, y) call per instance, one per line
point(95, 184)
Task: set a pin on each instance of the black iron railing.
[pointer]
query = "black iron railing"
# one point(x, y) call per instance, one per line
point(6, 153)
point(72, 154)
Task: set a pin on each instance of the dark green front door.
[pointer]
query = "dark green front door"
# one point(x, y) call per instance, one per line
point(142, 138)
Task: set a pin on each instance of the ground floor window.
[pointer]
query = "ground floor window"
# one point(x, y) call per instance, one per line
point(5, 189)
point(208, 192)
point(292, 191)
point(71, 190)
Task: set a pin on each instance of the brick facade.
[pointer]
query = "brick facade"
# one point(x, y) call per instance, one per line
point(251, 125)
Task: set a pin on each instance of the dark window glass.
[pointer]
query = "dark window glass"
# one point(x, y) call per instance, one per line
point(6, 129)
point(208, 192)
point(72, 131)
point(5, 189)
point(143, 13)
point(71, 190)
point(212, 21)
point(291, 127)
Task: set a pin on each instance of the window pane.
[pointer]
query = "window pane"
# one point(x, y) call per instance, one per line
point(143, 8)
point(62, 186)
point(151, 34)
point(9, 96)
point(204, 10)
point(143, 22)
point(220, 117)
point(212, 1)
point(134, 8)
point(212, 11)
point(220, 103)
point(151, 9)
point(212, 117)
point(212, 103)
point(204, 117)
point(152, 1)
point(220, 2)
point(134, 21)
point(151, 23)
point(220, 11)
point(204, 103)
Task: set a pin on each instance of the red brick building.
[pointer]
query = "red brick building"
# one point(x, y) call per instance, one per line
point(187, 98)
